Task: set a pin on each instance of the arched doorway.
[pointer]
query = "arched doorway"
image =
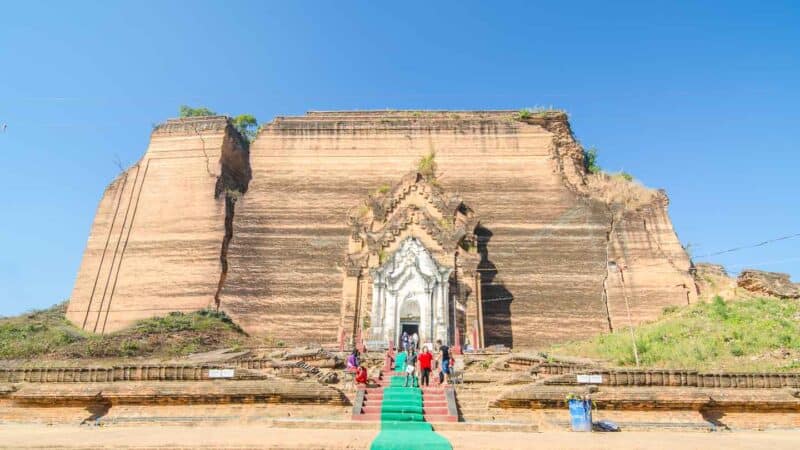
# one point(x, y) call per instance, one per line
point(410, 292)
point(409, 317)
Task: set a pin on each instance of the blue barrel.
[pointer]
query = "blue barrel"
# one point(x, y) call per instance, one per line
point(580, 415)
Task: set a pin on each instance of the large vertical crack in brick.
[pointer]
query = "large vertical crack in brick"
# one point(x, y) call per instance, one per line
point(232, 183)
point(230, 209)
point(609, 234)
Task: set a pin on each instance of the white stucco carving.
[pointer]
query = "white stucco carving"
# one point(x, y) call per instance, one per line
point(410, 287)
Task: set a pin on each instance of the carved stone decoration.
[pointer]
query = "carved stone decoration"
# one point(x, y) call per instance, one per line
point(407, 246)
point(410, 288)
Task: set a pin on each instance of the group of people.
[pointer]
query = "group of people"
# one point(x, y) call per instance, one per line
point(357, 368)
point(418, 366)
point(409, 341)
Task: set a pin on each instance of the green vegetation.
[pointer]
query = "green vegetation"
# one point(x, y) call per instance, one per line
point(37, 333)
point(362, 211)
point(754, 334)
point(245, 123)
point(623, 175)
point(382, 256)
point(382, 189)
point(592, 166)
point(47, 333)
point(175, 322)
point(188, 111)
point(523, 114)
point(427, 166)
point(590, 161)
point(247, 126)
point(538, 111)
point(445, 224)
point(468, 246)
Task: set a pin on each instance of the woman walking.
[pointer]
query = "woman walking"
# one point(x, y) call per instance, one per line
point(425, 359)
point(411, 368)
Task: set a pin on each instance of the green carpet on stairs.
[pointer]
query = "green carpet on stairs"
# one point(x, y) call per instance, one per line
point(403, 425)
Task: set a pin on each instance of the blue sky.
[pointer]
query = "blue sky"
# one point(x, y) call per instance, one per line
point(700, 99)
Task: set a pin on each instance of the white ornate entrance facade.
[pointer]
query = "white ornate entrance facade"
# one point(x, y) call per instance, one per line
point(410, 288)
point(411, 263)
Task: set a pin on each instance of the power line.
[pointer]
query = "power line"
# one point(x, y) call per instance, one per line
point(744, 247)
point(730, 250)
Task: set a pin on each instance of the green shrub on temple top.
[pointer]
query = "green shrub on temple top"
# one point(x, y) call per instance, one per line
point(188, 111)
point(427, 166)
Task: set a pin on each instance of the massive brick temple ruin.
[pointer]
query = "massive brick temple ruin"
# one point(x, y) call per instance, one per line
point(326, 229)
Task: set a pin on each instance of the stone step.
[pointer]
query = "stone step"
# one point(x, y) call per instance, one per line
point(498, 426)
point(435, 410)
point(379, 387)
point(514, 418)
point(431, 395)
point(430, 404)
point(495, 417)
point(428, 417)
point(438, 418)
point(492, 411)
point(311, 423)
point(380, 394)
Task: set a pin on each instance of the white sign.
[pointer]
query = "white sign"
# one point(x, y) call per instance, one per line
point(220, 373)
point(590, 379)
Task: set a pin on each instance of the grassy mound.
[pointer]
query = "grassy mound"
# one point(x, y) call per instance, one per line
point(745, 335)
point(47, 333)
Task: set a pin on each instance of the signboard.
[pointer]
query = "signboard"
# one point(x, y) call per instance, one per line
point(590, 379)
point(220, 373)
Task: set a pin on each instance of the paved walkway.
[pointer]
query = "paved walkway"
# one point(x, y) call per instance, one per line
point(254, 436)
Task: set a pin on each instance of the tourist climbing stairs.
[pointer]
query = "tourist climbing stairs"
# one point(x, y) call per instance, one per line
point(389, 396)
point(406, 413)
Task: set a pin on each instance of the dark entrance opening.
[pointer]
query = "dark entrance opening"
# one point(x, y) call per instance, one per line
point(409, 328)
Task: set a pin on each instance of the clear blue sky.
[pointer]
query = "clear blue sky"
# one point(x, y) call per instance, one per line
point(701, 99)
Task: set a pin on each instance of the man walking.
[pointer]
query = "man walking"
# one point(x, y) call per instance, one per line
point(444, 361)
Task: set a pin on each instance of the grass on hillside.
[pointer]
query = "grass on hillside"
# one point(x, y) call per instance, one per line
point(745, 335)
point(46, 333)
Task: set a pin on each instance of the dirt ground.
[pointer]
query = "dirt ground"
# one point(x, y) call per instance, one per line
point(251, 436)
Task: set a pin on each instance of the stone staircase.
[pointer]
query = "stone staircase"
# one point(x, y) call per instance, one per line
point(438, 403)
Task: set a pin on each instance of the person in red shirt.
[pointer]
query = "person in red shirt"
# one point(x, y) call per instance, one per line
point(361, 375)
point(425, 366)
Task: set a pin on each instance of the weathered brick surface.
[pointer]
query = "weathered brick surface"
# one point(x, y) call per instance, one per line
point(154, 372)
point(171, 392)
point(547, 232)
point(672, 378)
point(155, 243)
point(546, 241)
point(645, 398)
